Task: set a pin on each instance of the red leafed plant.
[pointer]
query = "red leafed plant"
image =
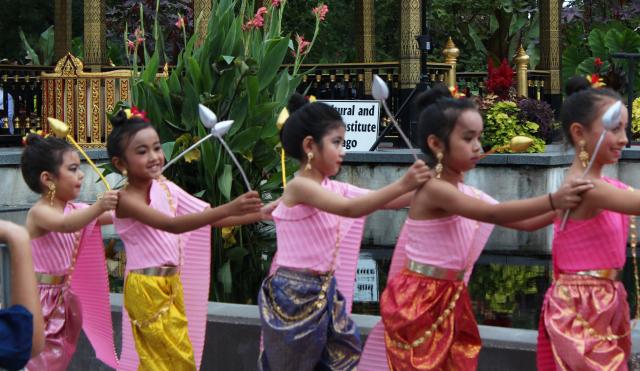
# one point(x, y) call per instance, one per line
point(500, 79)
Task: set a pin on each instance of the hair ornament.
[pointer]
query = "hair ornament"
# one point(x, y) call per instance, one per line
point(282, 118)
point(34, 132)
point(134, 112)
point(455, 93)
point(311, 98)
point(596, 81)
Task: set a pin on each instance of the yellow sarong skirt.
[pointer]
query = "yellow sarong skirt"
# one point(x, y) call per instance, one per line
point(155, 305)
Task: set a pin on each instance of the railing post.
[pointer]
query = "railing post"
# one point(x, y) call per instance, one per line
point(451, 54)
point(522, 63)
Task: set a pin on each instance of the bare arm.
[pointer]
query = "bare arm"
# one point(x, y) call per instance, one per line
point(400, 202)
point(305, 191)
point(43, 217)
point(606, 196)
point(132, 207)
point(239, 220)
point(106, 218)
point(447, 197)
point(24, 290)
point(534, 223)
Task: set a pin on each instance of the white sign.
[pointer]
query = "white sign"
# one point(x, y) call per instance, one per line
point(361, 118)
point(366, 281)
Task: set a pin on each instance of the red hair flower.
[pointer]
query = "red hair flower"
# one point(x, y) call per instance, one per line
point(134, 112)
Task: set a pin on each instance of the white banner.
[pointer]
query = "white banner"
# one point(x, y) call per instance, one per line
point(361, 118)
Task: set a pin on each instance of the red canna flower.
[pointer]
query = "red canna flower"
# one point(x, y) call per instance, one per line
point(257, 21)
point(275, 3)
point(302, 45)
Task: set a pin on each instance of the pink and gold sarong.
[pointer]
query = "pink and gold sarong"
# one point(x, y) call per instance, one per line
point(584, 325)
point(63, 321)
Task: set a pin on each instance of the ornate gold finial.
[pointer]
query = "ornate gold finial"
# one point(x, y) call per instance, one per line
point(522, 64)
point(451, 54)
point(450, 51)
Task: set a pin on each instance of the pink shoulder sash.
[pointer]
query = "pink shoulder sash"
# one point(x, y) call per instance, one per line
point(90, 283)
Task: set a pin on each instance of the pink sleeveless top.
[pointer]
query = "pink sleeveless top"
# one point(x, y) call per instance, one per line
point(452, 242)
point(306, 236)
point(306, 239)
point(53, 251)
point(596, 243)
point(53, 254)
point(147, 246)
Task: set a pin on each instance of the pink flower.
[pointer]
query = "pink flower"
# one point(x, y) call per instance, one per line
point(138, 36)
point(275, 3)
point(180, 22)
point(257, 21)
point(321, 11)
point(131, 45)
point(302, 45)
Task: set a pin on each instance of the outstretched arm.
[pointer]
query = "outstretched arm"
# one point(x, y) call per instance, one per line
point(132, 207)
point(306, 191)
point(49, 219)
point(447, 197)
point(534, 223)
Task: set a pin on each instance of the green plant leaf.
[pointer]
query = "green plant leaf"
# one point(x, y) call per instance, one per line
point(25, 44)
point(598, 44)
point(275, 51)
point(571, 59)
point(224, 181)
point(622, 41)
point(224, 277)
point(237, 253)
point(473, 34)
point(167, 148)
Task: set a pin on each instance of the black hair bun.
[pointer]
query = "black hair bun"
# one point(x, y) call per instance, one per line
point(437, 92)
point(119, 119)
point(296, 102)
point(576, 84)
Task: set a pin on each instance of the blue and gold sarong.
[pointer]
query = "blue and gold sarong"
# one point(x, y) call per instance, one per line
point(304, 326)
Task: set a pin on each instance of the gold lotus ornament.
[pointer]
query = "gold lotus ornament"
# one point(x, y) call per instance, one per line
point(59, 129)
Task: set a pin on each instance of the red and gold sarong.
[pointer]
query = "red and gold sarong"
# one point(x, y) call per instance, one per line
point(429, 324)
point(584, 325)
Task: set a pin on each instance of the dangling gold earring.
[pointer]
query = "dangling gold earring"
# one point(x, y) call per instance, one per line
point(52, 193)
point(309, 158)
point(125, 175)
point(439, 166)
point(583, 155)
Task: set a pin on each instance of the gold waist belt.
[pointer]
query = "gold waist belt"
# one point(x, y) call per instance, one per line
point(435, 272)
point(162, 271)
point(50, 279)
point(610, 274)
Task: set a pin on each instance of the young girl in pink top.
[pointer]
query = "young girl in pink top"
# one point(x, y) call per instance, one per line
point(303, 307)
point(426, 310)
point(166, 234)
point(68, 254)
point(584, 323)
